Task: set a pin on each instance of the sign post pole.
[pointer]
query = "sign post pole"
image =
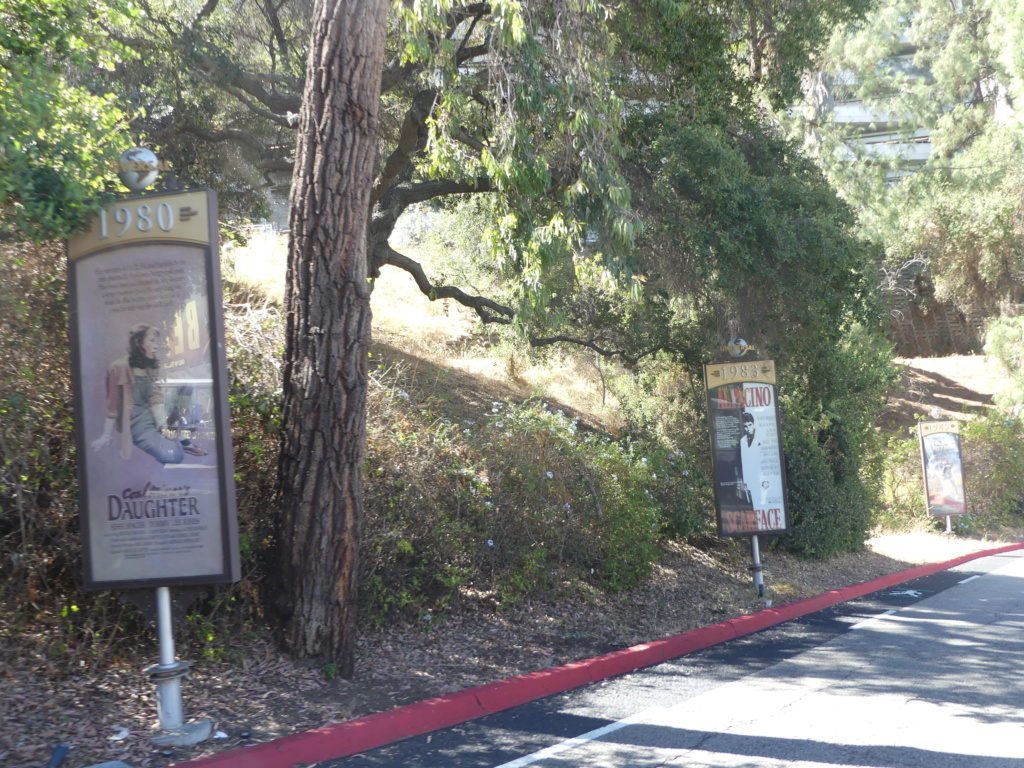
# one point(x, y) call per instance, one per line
point(167, 676)
point(168, 683)
point(746, 449)
point(756, 568)
point(156, 479)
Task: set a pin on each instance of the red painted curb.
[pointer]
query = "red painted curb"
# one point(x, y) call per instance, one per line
point(494, 697)
point(364, 733)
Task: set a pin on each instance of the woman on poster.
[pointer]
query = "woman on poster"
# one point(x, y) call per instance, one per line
point(135, 402)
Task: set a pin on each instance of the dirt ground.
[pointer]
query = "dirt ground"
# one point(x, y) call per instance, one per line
point(958, 386)
point(256, 694)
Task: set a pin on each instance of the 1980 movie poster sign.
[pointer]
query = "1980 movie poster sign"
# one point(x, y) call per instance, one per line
point(154, 455)
point(943, 468)
point(746, 445)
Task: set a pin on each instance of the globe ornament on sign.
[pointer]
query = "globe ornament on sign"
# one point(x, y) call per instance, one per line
point(138, 168)
point(737, 347)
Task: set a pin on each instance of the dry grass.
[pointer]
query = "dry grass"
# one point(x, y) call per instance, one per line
point(261, 263)
point(445, 332)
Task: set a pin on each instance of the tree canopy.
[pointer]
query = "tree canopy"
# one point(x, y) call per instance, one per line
point(522, 104)
point(631, 192)
point(950, 72)
point(59, 134)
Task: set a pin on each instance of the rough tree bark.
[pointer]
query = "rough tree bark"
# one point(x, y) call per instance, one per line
point(328, 332)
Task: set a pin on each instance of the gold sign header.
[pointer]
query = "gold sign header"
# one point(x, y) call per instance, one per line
point(747, 372)
point(181, 217)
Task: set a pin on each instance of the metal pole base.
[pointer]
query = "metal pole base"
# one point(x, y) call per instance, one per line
point(185, 736)
point(756, 567)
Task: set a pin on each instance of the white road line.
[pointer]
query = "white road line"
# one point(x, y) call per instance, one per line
point(872, 620)
point(597, 733)
point(970, 578)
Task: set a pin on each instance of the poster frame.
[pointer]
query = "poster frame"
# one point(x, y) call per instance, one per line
point(717, 375)
point(925, 430)
point(201, 233)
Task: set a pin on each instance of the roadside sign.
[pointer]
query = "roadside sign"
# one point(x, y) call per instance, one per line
point(156, 478)
point(942, 468)
point(746, 448)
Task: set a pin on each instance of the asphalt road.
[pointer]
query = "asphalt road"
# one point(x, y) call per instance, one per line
point(927, 674)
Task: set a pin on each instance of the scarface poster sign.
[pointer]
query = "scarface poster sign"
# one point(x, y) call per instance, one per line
point(746, 448)
point(156, 481)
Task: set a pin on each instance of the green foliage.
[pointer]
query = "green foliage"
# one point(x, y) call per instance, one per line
point(903, 506)
point(547, 125)
point(59, 141)
point(1004, 340)
point(933, 67)
point(834, 456)
point(830, 514)
point(994, 472)
point(744, 237)
point(517, 501)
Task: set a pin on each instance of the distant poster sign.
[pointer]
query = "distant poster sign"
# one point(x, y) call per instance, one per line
point(943, 468)
point(746, 446)
point(154, 455)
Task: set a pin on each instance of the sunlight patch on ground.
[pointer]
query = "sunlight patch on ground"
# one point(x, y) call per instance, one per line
point(261, 263)
point(925, 547)
point(441, 332)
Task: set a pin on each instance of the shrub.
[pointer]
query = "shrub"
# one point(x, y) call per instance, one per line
point(993, 460)
point(518, 501)
point(829, 403)
point(903, 507)
point(1004, 339)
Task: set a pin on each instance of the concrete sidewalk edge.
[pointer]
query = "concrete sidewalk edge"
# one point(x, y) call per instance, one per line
point(377, 730)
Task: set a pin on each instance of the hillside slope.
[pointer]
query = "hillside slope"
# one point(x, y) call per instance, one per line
point(957, 386)
point(253, 693)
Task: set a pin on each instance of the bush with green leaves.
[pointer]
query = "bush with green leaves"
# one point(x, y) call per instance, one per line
point(59, 142)
point(993, 459)
point(903, 505)
point(520, 500)
point(993, 467)
point(1004, 340)
point(829, 402)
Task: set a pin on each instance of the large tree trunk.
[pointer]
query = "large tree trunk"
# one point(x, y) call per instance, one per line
point(328, 333)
